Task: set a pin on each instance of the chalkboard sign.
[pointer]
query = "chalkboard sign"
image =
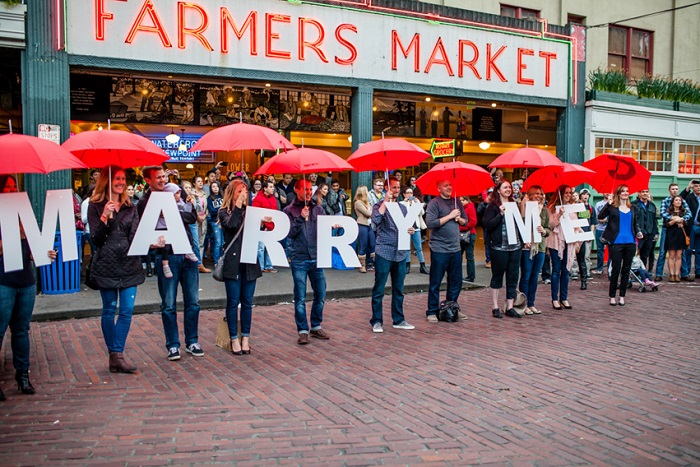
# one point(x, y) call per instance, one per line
point(89, 97)
point(486, 124)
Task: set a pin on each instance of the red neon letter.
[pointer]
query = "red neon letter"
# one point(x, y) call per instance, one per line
point(347, 44)
point(157, 27)
point(312, 45)
point(471, 63)
point(100, 16)
point(250, 23)
point(491, 63)
point(270, 36)
point(196, 32)
point(522, 66)
point(548, 56)
point(439, 48)
point(415, 43)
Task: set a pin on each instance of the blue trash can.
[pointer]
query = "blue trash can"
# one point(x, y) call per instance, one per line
point(61, 277)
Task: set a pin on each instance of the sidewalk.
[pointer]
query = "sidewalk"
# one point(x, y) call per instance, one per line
point(596, 385)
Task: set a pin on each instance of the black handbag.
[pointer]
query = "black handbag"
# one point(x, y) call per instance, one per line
point(449, 311)
point(218, 272)
point(89, 280)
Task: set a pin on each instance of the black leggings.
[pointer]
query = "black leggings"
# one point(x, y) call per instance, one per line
point(621, 258)
point(508, 263)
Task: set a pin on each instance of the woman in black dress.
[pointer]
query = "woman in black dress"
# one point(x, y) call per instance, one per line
point(675, 238)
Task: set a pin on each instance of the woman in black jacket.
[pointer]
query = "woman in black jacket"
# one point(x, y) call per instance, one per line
point(239, 278)
point(505, 252)
point(113, 222)
point(620, 234)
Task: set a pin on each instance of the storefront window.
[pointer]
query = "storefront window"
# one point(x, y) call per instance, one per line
point(655, 155)
point(518, 12)
point(689, 159)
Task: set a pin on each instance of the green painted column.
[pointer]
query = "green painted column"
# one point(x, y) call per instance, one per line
point(45, 92)
point(571, 122)
point(361, 119)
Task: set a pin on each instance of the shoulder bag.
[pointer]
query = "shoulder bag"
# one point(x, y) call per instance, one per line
point(218, 272)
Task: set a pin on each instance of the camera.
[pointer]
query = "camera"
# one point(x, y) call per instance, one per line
point(223, 163)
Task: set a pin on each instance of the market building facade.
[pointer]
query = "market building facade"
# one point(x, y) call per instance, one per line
point(330, 74)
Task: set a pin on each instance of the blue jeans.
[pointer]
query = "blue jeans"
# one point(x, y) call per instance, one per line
point(195, 241)
point(468, 250)
point(529, 274)
point(16, 307)
point(264, 257)
point(186, 274)
point(382, 269)
point(300, 271)
point(662, 254)
point(366, 239)
point(417, 246)
point(239, 291)
point(600, 251)
point(560, 275)
point(688, 254)
point(216, 236)
point(115, 334)
point(441, 263)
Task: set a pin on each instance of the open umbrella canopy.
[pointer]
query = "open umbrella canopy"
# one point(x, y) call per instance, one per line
point(100, 148)
point(242, 137)
point(552, 177)
point(614, 170)
point(29, 154)
point(303, 161)
point(387, 154)
point(526, 157)
point(467, 179)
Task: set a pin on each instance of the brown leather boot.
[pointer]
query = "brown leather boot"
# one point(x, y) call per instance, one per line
point(121, 365)
point(113, 362)
point(363, 263)
point(201, 268)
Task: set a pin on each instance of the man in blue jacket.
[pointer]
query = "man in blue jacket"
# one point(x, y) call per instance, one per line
point(303, 216)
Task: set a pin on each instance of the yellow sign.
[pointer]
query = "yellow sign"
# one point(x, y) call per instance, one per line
point(443, 148)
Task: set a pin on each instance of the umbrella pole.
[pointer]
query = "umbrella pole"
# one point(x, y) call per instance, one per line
point(10, 122)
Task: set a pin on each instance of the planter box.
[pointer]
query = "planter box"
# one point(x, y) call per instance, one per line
point(685, 107)
point(629, 99)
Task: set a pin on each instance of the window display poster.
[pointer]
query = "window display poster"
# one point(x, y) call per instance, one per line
point(313, 111)
point(486, 124)
point(221, 104)
point(443, 120)
point(143, 100)
point(89, 97)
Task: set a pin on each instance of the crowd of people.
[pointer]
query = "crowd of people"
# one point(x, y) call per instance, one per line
point(213, 216)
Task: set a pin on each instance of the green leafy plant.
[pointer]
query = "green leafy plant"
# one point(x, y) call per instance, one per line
point(609, 80)
point(664, 88)
point(11, 2)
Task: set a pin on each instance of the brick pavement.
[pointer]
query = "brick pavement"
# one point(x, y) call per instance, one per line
point(592, 386)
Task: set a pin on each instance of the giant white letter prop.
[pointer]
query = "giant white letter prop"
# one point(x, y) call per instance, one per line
point(147, 235)
point(527, 228)
point(326, 241)
point(14, 206)
point(404, 223)
point(568, 225)
point(271, 238)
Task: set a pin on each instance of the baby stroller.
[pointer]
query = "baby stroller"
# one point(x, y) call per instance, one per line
point(636, 274)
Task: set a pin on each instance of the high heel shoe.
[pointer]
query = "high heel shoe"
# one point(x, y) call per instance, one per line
point(621, 301)
point(556, 305)
point(245, 351)
point(565, 304)
point(236, 352)
point(613, 302)
point(23, 383)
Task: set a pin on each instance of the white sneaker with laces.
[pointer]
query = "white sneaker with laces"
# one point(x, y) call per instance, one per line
point(377, 327)
point(404, 325)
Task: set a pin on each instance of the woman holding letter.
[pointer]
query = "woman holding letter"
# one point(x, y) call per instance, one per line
point(562, 254)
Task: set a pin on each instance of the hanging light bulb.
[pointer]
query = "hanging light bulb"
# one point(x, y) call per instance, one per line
point(484, 145)
point(172, 138)
point(183, 146)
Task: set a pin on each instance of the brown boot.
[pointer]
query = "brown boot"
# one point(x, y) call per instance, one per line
point(113, 362)
point(363, 263)
point(203, 269)
point(121, 365)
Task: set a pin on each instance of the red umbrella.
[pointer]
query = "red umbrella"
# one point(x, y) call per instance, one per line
point(387, 154)
point(467, 179)
point(303, 161)
point(29, 154)
point(525, 158)
point(242, 136)
point(614, 170)
point(100, 148)
point(552, 177)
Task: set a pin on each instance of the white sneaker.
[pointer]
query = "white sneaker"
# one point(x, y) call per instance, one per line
point(377, 327)
point(432, 319)
point(192, 257)
point(404, 325)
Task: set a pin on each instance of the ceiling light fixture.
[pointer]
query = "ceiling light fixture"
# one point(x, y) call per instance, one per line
point(494, 104)
point(172, 138)
point(189, 166)
point(484, 145)
point(427, 99)
point(183, 146)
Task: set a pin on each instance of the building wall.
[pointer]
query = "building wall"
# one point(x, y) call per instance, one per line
point(676, 34)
